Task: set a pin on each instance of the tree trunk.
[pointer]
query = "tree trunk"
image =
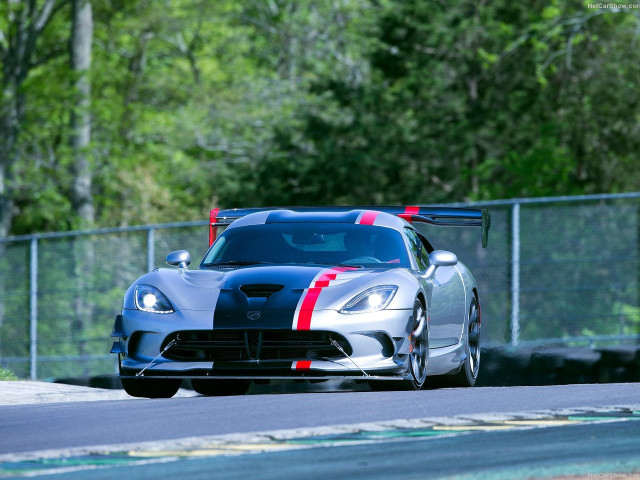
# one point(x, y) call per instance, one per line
point(81, 39)
point(81, 195)
point(9, 123)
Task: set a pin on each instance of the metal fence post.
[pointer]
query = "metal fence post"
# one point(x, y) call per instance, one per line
point(33, 310)
point(151, 249)
point(515, 274)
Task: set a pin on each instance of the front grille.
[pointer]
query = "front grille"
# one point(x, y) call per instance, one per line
point(234, 345)
point(263, 290)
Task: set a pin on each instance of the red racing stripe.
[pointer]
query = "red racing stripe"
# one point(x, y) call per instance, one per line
point(412, 210)
point(408, 212)
point(311, 296)
point(368, 217)
point(324, 280)
point(306, 310)
point(302, 365)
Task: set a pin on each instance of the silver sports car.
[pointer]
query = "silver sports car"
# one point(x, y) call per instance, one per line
point(306, 293)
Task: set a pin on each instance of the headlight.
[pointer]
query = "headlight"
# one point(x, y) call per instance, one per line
point(150, 299)
point(371, 300)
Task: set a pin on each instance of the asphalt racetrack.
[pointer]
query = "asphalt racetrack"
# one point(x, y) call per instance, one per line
point(509, 432)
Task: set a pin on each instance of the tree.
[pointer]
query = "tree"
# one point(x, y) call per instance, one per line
point(24, 23)
point(21, 25)
point(467, 101)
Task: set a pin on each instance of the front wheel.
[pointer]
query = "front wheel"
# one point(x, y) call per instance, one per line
point(418, 355)
point(419, 348)
point(151, 387)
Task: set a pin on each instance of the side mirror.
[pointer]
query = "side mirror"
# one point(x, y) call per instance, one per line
point(440, 258)
point(179, 258)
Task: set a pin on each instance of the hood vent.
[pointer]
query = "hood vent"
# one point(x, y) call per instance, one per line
point(263, 290)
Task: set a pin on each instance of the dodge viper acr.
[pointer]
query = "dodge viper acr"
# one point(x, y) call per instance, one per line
point(306, 293)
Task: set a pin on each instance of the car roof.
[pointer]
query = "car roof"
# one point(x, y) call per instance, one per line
point(356, 216)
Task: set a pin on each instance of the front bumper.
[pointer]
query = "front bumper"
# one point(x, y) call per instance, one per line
point(371, 346)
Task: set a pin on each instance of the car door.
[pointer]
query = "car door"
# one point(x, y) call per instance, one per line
point(447, 310)
point(447, 307)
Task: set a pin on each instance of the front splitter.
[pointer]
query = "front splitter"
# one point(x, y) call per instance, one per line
point(262, 377)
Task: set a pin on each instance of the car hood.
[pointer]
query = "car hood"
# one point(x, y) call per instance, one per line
point(263, 287)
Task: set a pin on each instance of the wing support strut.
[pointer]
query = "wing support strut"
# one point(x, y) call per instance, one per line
point(337, 345)
point(169, 345)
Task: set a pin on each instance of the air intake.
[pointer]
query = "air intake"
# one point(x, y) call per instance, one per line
point(263, 290)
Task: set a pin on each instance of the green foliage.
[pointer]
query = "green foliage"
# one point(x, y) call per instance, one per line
point(7, 375)
point(196, 104)
point(629, 316)
point(466, 102)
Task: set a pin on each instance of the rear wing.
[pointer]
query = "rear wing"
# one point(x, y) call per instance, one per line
point(442, 216)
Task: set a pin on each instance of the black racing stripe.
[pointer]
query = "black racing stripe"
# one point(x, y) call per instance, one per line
point(275, 311)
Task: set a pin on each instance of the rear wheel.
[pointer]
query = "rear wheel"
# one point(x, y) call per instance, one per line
point(468, 373)
point(218, 388)
point(418, 355)
point(151, 387)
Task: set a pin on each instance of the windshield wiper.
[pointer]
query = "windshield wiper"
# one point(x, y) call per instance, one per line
point(329, 264)
point(236, 263)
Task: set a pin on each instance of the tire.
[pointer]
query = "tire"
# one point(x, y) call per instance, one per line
point(468, 373)
point(418, 356)
point(151, 387)
point(220, 388)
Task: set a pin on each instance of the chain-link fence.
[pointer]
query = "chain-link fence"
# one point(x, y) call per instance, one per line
point(557, 270)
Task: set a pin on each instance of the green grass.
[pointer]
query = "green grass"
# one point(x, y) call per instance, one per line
point(7, 374)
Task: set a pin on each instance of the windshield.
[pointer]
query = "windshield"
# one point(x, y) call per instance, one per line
point(304, 243)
